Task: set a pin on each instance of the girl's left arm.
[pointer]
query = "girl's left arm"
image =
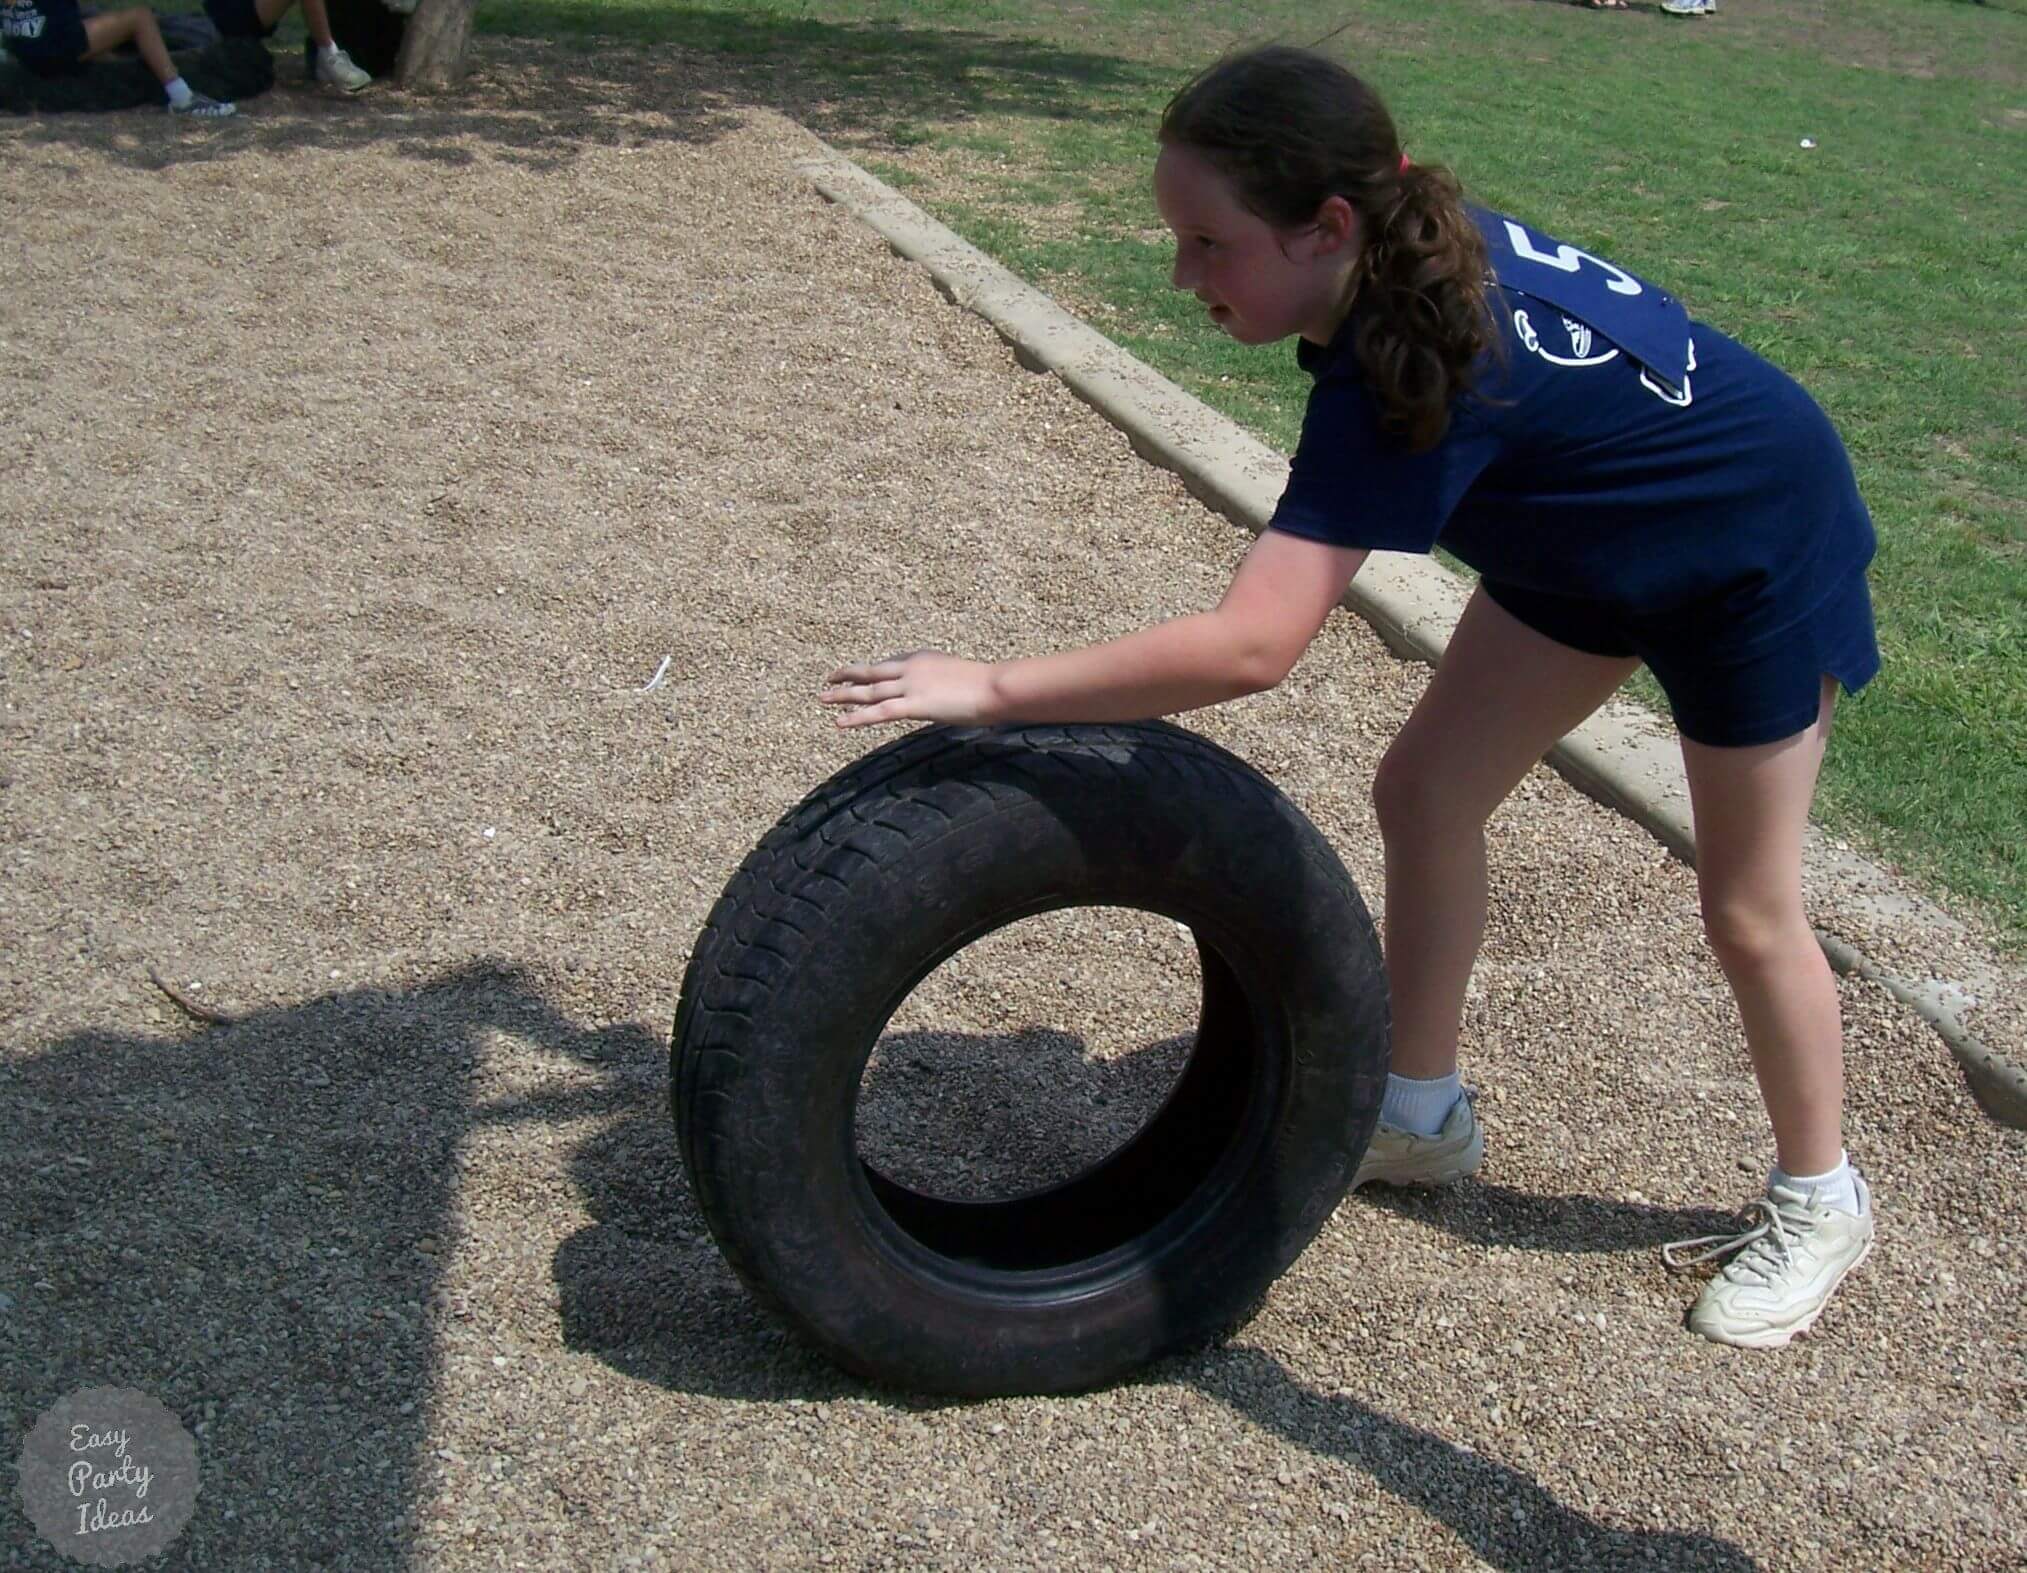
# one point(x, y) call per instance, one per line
point(1276, 603)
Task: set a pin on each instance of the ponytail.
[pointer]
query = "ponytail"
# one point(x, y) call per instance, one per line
point(1289, 129)
point(1420, 310)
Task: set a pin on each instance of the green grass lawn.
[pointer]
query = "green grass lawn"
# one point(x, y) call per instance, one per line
point(1886, 267)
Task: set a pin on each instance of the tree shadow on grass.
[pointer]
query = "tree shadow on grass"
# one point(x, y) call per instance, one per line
point(646, 77)
point(862, 82)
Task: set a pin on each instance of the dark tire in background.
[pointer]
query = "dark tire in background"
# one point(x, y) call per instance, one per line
point(919, 849)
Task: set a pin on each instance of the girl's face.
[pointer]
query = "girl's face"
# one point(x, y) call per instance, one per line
point(1260, 283)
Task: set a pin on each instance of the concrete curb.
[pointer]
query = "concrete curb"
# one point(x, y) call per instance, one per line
point(1624, 756)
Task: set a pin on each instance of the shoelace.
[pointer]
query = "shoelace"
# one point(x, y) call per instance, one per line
point(1761, 1246)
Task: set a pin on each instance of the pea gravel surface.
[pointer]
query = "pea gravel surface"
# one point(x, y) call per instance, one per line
point(367, 460)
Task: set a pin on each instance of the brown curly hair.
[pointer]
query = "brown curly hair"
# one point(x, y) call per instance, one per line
point(1289, 128)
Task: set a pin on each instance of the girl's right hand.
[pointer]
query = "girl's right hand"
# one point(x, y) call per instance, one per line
point(921, 685)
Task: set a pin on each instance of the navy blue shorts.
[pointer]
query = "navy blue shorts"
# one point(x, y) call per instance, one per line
point(1727, 698)
point(57, 51)
point(237, 19)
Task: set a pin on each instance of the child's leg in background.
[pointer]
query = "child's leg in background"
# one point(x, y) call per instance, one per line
point(1501, 697)
point(1752, 807)
point(326, 62)
point(106, 32)
point(316, 20)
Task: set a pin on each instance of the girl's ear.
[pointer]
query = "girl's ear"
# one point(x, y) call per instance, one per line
point(1337, 226)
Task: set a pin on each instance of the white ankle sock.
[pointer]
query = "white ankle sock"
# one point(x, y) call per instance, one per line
point(328, 51)
point(1836, 1187)
point(178, 90)
point(1420, 1106)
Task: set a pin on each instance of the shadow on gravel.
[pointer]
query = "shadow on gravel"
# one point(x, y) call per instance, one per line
point(959, 1114)
point(645, 1289)
point(1503, 1514)
point(248, 1223)
point(1574, 1225)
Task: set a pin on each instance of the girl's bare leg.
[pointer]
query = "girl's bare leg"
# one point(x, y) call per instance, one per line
point(1501, 697)
point(1751, 807)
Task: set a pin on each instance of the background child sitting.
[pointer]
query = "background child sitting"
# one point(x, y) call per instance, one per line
point(53, 38)
point(259, 18)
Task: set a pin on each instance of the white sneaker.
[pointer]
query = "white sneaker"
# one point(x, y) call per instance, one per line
point(198, 107)
point(1690, 7)
point(1398, 1157)
point(337, 69)
point(1788, 1263)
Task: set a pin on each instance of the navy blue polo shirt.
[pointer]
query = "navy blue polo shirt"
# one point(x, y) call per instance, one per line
point(43, 32)
point(1612, 450)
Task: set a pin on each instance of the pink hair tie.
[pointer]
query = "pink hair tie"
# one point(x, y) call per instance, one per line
point(1404, 164)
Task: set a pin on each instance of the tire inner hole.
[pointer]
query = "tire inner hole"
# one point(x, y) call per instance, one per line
point(1032, 1055)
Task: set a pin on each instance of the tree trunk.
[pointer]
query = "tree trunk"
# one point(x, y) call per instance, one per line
point(433, 50)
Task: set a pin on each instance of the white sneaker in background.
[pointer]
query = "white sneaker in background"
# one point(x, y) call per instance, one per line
point(336, 68)
point(199, 107)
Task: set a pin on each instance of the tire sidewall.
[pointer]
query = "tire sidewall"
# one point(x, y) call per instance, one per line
point(930, 868)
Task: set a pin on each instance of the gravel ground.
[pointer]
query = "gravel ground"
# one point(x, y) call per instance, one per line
point(367, 460)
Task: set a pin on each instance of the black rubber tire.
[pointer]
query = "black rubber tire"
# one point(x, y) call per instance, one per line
point(891, 867)
point(229, 70)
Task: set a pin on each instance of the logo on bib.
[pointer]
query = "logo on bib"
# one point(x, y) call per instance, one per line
point(1577, 335)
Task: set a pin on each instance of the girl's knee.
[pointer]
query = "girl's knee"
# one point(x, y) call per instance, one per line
point(1411, 797)
point(1753, 930)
